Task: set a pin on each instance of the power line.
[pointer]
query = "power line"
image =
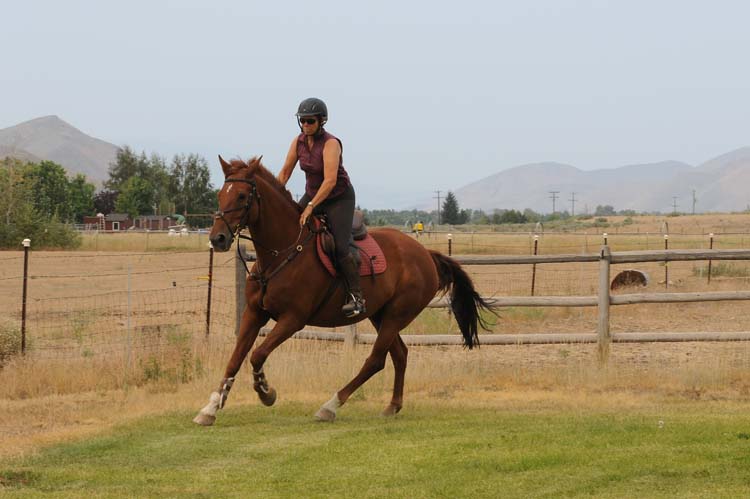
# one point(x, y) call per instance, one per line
point(573, 204)
point(674, 204)
point(554, 199)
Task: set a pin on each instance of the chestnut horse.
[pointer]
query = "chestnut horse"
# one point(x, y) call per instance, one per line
point(289, 284)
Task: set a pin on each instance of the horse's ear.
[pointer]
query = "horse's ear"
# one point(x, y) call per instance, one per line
point(224, 166)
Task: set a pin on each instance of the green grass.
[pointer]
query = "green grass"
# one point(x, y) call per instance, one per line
point(700, 451)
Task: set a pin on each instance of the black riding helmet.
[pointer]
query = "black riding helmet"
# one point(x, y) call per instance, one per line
point(312, 106)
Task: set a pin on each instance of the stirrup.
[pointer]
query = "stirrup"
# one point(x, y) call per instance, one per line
point(354, 307)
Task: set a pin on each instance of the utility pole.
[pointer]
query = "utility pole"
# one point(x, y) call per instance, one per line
point(695, 200)
point(674, 205)
point(554, 198)
point(573, 204)
point(438, 202)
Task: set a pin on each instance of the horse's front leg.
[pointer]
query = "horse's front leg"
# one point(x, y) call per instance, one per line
point(283, 330)
point(252, 320)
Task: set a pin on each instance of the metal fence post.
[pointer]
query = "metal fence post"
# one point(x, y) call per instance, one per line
point(533, 267)
point(210, 285)
point(666, 263)
point(26, 244)
point(604, 338)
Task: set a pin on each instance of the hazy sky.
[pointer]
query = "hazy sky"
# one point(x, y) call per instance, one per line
point(425, 95)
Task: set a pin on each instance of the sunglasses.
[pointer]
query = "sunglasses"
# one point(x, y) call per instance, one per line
point(308, 121)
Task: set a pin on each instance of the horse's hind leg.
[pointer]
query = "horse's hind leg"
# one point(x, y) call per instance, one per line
point(374, 363)
point(253, 319)
point(398, 352)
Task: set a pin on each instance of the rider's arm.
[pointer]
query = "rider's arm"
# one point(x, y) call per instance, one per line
point(331, 158)
point(291, 161)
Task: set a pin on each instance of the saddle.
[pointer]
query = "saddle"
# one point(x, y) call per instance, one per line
point(371, 258)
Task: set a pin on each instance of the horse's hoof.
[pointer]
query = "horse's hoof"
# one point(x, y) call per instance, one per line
point(204, 419)
point(391, 410)
point(268, 398)
point(325, 415)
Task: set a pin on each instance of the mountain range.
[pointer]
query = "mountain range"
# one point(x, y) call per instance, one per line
point(50, 138)
point(720, 184)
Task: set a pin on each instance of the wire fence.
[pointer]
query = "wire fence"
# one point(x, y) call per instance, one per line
point(83, 304)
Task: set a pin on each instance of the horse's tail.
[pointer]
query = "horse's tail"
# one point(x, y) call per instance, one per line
point(465, 301)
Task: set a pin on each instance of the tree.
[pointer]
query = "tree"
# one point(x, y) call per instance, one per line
point(50, 185)
point(190, 185)
point(104, 201)
point(127, 165)
point(606, 210)
point(80, 198)
point(20, 217)
point(136, 197)
point(451, 213)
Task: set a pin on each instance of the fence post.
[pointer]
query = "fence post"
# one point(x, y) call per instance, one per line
point(350, 339)
point(710, 246)
point(239, 289)
point(26, 244)
point(533, 267)
point(602, 329)
point(450, 244)
point(666, 263)
point(210, 286)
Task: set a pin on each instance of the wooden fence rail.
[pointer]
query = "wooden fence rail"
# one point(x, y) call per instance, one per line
point(603, 300)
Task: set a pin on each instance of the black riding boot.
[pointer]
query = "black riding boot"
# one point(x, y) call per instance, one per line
point(355, 303)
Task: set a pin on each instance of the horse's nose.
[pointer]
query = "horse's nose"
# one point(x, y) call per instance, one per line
point(219, 242)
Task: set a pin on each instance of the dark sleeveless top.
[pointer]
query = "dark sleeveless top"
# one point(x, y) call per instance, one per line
point(311, 162)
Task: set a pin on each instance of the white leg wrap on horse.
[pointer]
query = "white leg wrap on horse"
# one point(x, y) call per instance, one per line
point(333, 404)
point(213, 404)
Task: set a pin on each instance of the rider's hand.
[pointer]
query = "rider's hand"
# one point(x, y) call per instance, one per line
point(305, 215)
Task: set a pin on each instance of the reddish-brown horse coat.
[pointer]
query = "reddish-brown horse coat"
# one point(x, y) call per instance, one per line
point(298, 294)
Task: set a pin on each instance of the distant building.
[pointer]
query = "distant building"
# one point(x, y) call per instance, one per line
point(154, 222)
point(113, 221)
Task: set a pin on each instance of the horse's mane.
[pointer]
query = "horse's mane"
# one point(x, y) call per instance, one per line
point(255, 167)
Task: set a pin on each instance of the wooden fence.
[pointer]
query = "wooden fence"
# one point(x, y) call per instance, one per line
point(603, 301)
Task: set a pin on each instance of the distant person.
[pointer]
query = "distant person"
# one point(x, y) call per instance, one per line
point(328, 190)
point(419, 228)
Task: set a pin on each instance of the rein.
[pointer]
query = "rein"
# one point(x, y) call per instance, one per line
point(262, 276)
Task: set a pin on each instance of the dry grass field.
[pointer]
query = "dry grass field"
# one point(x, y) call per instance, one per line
point(95, 361)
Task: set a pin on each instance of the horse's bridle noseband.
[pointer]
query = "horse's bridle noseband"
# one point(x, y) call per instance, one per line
point(244, 219)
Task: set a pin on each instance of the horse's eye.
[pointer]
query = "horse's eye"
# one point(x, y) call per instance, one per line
point(242, 197)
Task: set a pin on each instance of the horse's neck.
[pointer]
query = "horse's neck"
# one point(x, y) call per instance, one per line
point(277, 226)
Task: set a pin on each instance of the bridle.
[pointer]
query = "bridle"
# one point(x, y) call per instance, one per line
point(262, 276)
point(244, 219)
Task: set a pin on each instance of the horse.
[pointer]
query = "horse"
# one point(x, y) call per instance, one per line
point(288, 283)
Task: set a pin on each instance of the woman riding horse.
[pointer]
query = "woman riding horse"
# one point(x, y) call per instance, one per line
point(328, 190)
